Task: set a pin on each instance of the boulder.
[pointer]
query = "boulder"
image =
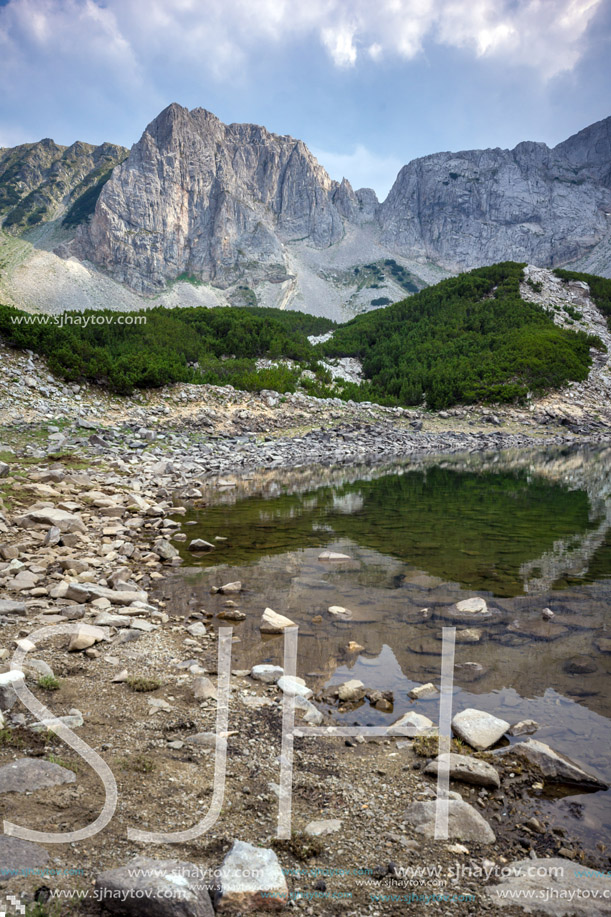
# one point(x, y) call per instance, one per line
point(554, 886)
point(83, 638)
point(17, 855)
point(60, 518)
point(464, 822)
point(230, 588)
point(466, 769)
point(269, 674)
point(556, 768)
point(351, 691)
point(424, 692)
point(198, 544)
point(251, 879)
point(410, 725)
point(8, 695)
point(165, 550)
point(28, 774)
point(478, 729)
point(273, 623)
point(157, 888)
point(7, 607)
point(294, 686)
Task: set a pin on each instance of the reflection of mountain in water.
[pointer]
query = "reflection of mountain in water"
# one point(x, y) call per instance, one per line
point(511, 524)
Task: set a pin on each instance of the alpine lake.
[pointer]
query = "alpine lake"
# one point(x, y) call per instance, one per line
point(526, 531)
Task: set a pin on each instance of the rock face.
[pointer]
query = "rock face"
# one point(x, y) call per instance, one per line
point(41, 181)
point(552, 886)
point(532, 203)
point(199, 197)
point(168, 888)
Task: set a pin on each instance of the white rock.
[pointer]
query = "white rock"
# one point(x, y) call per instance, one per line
point(411, 724)
point(273, 623)
point(294, 686)
point(479, 729)
point(251, 879)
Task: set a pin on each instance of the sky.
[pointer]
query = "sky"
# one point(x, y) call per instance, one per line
point(367, 84)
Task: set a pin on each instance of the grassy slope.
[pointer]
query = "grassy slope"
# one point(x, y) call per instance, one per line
point(469, 338)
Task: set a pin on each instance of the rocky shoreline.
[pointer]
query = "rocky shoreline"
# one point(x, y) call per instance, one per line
point(92, 493)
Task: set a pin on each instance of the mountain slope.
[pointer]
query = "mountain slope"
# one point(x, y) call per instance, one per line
point(201, 213)
point(42, 181)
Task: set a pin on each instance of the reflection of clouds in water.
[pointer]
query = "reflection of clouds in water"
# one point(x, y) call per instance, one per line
point(348, 503)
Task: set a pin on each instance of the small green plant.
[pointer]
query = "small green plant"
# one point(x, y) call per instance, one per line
point(141, 683)
point(49, 683)
point(535, 285)
point(69, 765)
point(140, 764)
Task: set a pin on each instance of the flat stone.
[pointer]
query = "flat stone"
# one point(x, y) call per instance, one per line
point(556, 768)
point(8, 607)
point(311, 714)
point(231, 588)
point(523, 728)
point(156, 888)
point(338, 611)
point(251, 879)
point(411, 724)
point(294, 686)
point(32, 774)
point(197, 630)
point(478, 729)
point(333, 556)
point(424, 692)
point(198, 544)
point(17, 855)
point(107, 619)
point(464, 822)
point(466, 769)
point(269, 674)
point(554, 886)
point(273, 623)
point(323, 827)
point(469, 635)
point(60, 518)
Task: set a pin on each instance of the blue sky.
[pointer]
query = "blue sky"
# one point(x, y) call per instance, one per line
point(367, 85)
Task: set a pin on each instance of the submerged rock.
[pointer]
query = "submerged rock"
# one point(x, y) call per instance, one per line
point(557, 768)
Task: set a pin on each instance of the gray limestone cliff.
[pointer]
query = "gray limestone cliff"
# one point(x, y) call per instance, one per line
point(200, 198)
point(532, 203)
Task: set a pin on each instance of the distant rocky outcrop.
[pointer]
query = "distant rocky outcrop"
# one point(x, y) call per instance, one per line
point(205, 213)
point(42, 181)
point(536, 204)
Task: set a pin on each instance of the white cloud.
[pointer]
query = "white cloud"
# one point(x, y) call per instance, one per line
point(218, 37)
point(362, 168)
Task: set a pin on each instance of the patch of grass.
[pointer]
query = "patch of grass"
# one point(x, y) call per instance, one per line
point(139, 764)
point(69, 765)
point(49, 683)
point(141, 683)
point(299, 845)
